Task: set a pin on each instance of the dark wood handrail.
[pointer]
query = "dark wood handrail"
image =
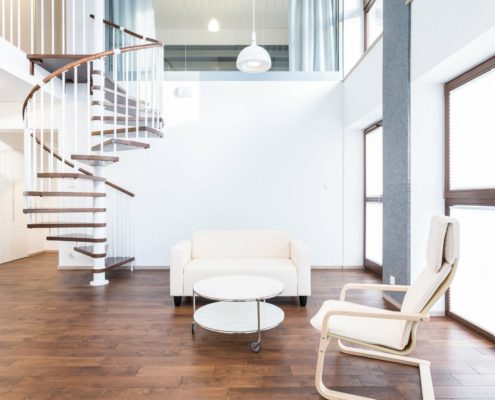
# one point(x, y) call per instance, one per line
point(128, 31)
point(81, 61)
point(84, 171)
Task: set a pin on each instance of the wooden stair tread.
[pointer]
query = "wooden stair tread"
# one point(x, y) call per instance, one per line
point(52, 62)
point(68, 225)
point(109, 82)
point(111, 95)
point(62, 210)
point(123, 110)
point(89, 251)
point(114, 262)
point(125, 119)
point(64, 194)
point(76, 237)
point(152, 132)
point(119, 145)
point(73, 175)
point(94, 160)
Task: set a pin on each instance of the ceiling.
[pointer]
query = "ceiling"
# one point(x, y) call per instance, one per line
point(231, 14)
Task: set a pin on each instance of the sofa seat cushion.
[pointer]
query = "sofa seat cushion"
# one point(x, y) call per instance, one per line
point(384, 332)
point(281, 269)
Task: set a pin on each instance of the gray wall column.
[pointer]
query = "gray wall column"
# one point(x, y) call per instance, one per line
point(396, 143)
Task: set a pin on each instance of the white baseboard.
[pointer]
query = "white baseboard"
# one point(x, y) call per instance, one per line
point(167, 267)
point(337, 267)
point(315, 267)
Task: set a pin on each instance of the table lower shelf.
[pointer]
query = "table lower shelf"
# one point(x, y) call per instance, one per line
point(238, 317)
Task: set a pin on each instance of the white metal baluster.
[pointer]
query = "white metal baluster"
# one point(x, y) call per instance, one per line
point(146, 94)
point(138, 88)
point(73, 27)
point(11, 21)
point(3, 19)
point(53, 26)
point(102, 107)
point(63, 26)
point(52, 129)
point(88, 104)
point(114, 66)
point(31, 31)
point(42, 27)
point(19, 23)
point(64, 131)
point(126, 77)
point(84, 25)
point(42, 135)
point(154, 117)
point(75, 110)
point(34, 122)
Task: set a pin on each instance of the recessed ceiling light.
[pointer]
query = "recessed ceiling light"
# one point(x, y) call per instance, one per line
point(213, 25)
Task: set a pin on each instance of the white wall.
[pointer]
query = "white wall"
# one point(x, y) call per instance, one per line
point(448, 37)
point(241, 155)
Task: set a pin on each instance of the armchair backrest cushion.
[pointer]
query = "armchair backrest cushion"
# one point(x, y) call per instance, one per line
point(442, 253)
point(248, 243)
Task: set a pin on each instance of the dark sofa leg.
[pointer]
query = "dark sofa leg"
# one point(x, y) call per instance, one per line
point(177, 300)
point(303, 300)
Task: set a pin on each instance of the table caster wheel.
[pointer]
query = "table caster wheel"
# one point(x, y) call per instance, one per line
point(255, 347)
point(193, 329)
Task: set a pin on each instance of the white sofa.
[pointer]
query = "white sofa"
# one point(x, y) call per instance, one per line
point(273, 254)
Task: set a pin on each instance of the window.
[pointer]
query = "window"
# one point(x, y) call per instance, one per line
point(470, 193)
point(373, 201)
point(373, 21)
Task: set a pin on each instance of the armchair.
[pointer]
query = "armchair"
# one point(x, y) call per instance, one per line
point(390, 335)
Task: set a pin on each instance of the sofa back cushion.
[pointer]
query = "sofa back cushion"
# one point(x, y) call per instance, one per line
point(251, 243)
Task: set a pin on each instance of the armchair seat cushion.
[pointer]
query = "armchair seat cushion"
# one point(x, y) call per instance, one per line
point(383, 332)
point(282, 269)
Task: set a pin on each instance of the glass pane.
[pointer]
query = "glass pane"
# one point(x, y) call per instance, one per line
point(472, 290)
point(374, 21)
point(472, 134)
point(374, 163)
point(374, 232)
point(353, 33)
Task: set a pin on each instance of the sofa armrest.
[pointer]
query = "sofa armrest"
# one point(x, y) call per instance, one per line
point(300, 255)
point(180, 255)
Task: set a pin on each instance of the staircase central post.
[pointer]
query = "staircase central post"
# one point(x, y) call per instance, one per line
point(99, 278)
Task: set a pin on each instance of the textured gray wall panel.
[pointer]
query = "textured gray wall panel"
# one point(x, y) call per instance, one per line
point(396, 143)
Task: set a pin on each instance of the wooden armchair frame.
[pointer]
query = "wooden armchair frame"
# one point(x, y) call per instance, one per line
point(374, 351)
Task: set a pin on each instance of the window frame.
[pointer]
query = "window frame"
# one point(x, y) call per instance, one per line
point(473, 197)
point(367, 5)
point(368, 264)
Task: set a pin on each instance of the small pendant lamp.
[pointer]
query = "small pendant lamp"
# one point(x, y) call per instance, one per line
point(253, 59)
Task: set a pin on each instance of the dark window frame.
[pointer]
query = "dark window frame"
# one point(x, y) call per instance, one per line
point(475, 197)
point(368, 264)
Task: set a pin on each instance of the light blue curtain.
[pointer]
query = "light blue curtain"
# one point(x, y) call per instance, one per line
point(136, 15)
point(313, 35)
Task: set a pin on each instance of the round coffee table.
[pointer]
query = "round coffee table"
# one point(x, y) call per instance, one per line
point(240, 305)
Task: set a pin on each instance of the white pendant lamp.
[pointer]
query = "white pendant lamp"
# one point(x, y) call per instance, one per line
point(253, 59)
point(213, 25)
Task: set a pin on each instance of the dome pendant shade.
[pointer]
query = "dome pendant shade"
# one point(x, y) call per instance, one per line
point(254, 58)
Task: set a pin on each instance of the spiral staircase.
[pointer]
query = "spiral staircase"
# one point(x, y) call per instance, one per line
point(88, 109)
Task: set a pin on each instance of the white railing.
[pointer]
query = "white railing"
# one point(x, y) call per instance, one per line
point(47, 26)
point(76, 110)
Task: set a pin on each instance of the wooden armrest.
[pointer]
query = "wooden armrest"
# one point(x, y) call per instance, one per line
point(372, 286)
point(413, 317)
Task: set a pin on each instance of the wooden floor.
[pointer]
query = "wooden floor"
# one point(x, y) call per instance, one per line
point(62, 339)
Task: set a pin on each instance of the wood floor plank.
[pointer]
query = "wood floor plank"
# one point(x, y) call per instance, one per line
point(62, 339)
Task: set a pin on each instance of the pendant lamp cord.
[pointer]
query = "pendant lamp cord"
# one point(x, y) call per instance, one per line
point(254, 1)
